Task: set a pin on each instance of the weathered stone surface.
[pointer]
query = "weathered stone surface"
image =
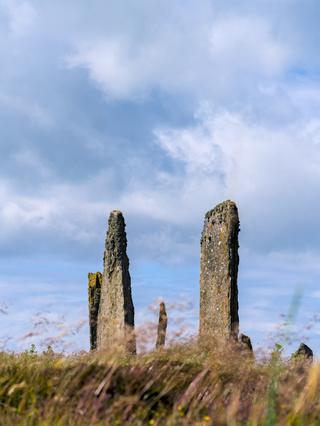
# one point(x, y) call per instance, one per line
point(94, 292)
point(116, 311)
point(245, 342)
point(219, 272)
point(303, 352)
point(162, 326)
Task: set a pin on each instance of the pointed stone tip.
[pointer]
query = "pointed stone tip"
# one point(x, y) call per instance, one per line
point(162, 307)
point(303, 352)
point(246, 341)
point(116, 213)
point(116, 218)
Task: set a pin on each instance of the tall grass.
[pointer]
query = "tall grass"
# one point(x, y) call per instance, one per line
point(181, 385)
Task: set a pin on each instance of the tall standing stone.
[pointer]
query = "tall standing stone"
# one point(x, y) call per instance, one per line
point(219, 272)
point(116, 311)
point(94, 293)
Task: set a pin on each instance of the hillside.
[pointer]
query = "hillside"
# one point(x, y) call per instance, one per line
point(181, 385)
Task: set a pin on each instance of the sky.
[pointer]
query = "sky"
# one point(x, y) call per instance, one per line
point(162, 110)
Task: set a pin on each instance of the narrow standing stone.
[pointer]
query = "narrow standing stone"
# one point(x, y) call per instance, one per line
point(219, 272)
point(116, 312)
point(94, 292)
point(162, 326)
point(245, 342)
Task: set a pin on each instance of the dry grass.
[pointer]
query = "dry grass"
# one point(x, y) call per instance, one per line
point(182, 385)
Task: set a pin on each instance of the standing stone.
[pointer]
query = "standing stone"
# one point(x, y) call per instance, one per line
point(218, 273)
point(116, 312)
point(303, 352)
point(162, 326)
point(245, 343)
point(94, 292)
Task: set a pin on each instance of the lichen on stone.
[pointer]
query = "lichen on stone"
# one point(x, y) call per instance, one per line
point(219, 271)
point(116, 311)
point(162, 326)
point(94, 294)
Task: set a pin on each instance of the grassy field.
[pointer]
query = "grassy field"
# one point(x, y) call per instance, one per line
point(182, 385)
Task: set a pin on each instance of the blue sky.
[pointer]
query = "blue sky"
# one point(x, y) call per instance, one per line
point(160, 109)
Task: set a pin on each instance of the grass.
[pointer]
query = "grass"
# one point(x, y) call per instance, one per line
point(182, 385)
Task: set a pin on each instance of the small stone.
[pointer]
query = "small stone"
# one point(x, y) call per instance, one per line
point(303, 352)
point(94, 293)
point(245, 342)
point(162, 326)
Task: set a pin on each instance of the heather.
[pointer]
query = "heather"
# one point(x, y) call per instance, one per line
point(184, 384)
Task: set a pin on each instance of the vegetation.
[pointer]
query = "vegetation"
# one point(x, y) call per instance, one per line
point(182, 385)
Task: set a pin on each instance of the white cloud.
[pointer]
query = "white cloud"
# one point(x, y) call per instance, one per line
point(202, 54)
point(247, 44)
point(21, 15)
point(239, 147)
point(18, 212)
point(273, 173)
point(28, 108)
point(51, 210)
